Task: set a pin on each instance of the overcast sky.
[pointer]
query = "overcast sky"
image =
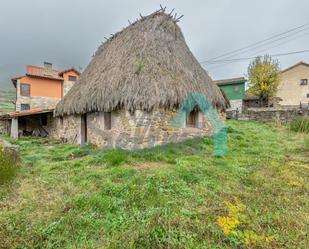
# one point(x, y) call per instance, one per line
point(67, 32)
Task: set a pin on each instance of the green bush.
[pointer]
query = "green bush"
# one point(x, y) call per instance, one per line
point(8, 167)
point(300, 125)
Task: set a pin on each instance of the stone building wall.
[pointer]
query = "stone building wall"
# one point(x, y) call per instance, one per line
point(37, 102)
point(66, 129)
point(140, 129)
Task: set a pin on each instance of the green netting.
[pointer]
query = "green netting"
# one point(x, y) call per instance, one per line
point(200, 100)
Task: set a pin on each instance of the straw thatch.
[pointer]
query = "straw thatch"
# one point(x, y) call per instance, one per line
point(145, 66)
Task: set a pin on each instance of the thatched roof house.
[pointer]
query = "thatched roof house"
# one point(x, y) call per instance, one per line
point(146, 66)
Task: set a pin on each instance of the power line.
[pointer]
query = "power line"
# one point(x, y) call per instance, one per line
point(260, 43)
point(249, 58)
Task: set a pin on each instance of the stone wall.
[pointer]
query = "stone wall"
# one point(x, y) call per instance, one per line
point(271, 114)
point(235, 104)
point(129, 130)
point(37, 102)
point(4, 126)
point(140, 129)
point(66, 129)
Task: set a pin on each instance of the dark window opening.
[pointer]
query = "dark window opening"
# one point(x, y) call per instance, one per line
point(107, 120)
point(61, 120)
point(72, 78)
point(192, 119)
point(304, 82)
point(25, 90)
point(307, 95)
point(44, 120)
point(84, 135)
point(24, 107)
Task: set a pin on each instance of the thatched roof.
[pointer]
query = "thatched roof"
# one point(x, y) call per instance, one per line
point(145, 66)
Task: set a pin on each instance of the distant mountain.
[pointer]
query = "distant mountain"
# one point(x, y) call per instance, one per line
point(7, 97)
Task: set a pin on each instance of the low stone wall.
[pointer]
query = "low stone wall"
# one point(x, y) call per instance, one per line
point(13, 150)
point(271, 114)
point(4, 126)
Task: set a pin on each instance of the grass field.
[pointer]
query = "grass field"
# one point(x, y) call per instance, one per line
point(176, 196)
point(6, 98)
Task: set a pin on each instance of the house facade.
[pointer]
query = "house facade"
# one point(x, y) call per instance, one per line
point(37, 94)
point(42, 87)
point(293, 87)
point(234, 90)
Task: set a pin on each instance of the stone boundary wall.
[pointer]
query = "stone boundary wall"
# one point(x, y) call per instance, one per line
point(271, 114)
point(13, 150)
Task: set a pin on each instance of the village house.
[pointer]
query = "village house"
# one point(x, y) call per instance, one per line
point(136, 83)
point(42, 87)
point(293, 89)
point(37, 93)
point(234, 90)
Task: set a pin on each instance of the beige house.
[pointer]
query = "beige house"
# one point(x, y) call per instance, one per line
point(293, 88)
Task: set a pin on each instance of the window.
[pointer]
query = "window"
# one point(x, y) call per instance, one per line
point(61, 120)
point(192, 119)
point(304, 82)
point(24, 90)
point(307, 95)
point(107, 120)
point(24, 107)
point(72, 78)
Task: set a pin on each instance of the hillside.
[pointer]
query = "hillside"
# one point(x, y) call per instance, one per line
point(175, 196)
point(6, 98)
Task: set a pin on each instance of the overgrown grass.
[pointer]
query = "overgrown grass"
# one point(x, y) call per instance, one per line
point(174, 196)
point(300, 125)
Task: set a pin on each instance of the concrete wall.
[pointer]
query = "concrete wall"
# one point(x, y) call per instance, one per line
point(130, 130)
point(35, 101)
point(290, 90)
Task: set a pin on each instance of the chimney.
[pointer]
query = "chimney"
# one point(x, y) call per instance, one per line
point(48, 66)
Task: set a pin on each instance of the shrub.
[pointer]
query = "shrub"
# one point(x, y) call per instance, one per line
point(8, 167)
point(300, 125)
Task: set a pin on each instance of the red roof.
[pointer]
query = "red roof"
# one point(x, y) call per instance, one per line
point(29, 112)
point(42, 72)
